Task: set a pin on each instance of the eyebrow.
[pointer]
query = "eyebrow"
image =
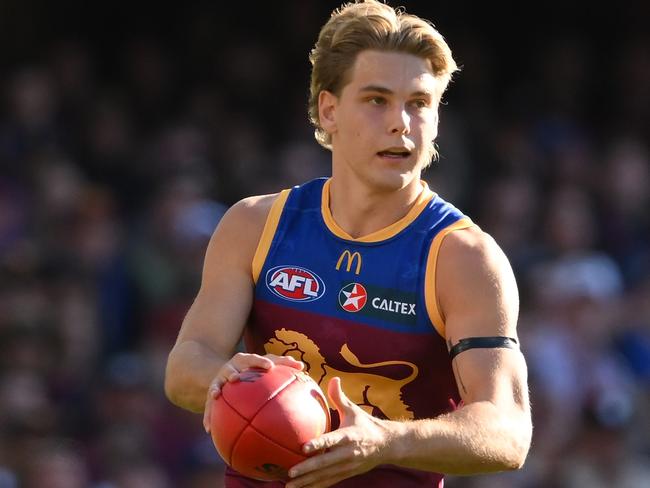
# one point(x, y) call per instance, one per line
point(388, 91)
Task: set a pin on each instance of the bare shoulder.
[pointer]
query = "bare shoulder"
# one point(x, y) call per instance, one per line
point(247, 217)
point(471, 247)
point(251, 211)
point(476, 282)
point(236, 237)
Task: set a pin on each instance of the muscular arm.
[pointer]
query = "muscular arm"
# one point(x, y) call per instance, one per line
point(492, 430)
point(214, 324)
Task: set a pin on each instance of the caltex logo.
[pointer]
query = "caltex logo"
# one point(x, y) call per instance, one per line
point(353, 297)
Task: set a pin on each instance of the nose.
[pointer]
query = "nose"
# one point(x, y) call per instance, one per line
point(400, 121)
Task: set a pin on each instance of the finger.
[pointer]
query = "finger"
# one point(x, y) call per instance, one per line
point(214, 390)
point(321, 482)
point(241, 361)
point(340, 401)
point(215, 387)
point(207, 413)
point(326, 441)
point(326, 476)
point(229, 372)
point(286, 361)
point(321, 461)
point(213, 393)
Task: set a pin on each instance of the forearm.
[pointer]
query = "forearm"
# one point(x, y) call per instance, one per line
point(478, 438)
point(190, 369)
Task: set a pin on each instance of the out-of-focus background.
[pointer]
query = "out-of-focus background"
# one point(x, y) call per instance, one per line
point(127, 130)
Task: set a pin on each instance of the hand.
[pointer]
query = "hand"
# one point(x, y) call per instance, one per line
point(232, 368)
point(357, 446)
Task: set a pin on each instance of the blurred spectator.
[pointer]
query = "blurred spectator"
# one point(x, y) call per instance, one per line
point(54, 464)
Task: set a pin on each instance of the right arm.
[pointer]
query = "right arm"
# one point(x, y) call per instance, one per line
point(204, 358)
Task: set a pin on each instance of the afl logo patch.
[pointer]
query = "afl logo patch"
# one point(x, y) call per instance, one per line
point(295, 283)
point(353, 297)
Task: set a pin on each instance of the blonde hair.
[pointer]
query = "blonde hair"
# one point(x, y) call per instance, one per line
point(370, 24)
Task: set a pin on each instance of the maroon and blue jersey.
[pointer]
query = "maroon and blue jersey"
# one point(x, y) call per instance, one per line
point(362, 309)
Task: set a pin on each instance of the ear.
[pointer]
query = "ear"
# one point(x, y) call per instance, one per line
point(327, 103)
point(436, 119)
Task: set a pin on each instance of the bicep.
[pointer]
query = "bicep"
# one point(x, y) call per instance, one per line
point(479, 298)
point(220, 310)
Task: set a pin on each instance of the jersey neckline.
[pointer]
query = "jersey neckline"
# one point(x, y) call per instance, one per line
point(392, 230)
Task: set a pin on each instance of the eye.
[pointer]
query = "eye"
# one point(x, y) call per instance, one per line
point(377, 101)
point(420, 103)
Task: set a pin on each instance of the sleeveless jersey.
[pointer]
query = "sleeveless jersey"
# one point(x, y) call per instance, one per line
point(364, 310)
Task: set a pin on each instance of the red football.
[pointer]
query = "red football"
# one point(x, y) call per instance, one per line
point(261, 420)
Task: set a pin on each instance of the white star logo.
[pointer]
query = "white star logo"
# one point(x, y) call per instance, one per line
point(353, 297)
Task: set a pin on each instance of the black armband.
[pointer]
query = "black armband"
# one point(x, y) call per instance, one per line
point(482, 343)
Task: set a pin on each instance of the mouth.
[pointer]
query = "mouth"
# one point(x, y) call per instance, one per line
point(396, 153)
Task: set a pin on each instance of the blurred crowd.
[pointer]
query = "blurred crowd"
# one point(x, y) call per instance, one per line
point(123, 142)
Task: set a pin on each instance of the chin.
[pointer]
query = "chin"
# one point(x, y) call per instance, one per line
point(392, 180)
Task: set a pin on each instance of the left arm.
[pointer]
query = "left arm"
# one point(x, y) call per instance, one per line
point(492, 431)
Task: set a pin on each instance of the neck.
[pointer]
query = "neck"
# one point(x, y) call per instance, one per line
point(360, 210)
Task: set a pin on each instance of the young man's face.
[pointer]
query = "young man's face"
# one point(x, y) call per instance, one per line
point(385, 120)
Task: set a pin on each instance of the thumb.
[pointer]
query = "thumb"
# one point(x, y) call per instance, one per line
point(339, 400)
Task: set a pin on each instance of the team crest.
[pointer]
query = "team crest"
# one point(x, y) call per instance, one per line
point(353, 297)
point(295, 283)
point(362, 382)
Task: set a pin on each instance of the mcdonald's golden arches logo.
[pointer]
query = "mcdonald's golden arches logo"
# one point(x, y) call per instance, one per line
point(351, 258)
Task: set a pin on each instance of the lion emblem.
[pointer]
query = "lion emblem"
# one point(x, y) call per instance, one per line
point(369, 391)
